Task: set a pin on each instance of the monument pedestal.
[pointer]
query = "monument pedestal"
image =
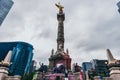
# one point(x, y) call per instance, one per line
point(115, 73)
point(16, 77)
point(104, 78)
point(3, 73)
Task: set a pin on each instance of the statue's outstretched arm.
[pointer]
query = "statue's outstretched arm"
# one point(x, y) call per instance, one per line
point(57, 5)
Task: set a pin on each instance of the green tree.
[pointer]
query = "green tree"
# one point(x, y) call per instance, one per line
point(27, 76)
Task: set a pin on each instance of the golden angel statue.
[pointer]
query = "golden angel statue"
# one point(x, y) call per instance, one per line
point(60, 7)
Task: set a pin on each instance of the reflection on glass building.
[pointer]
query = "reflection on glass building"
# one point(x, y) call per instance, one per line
point(100, 67)
point(87, 66)
point(5, 6)
point(22, 54)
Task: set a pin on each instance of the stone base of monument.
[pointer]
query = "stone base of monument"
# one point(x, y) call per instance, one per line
point(16, 77)
point(3, 73)
point(104, 78)
point(115, 73)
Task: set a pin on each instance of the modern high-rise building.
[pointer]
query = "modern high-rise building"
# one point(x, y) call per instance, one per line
point(87, 66)
point(22, 54)
point(100, 67)
point(5, 6)
point(95, 68)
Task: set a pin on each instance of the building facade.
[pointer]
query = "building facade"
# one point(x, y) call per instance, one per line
point(5, 6)
point(100, 67)
point(95, 68)
point(22, 54)
point(86, 66)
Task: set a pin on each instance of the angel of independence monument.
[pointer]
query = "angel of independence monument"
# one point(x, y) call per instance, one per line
point(60, 57)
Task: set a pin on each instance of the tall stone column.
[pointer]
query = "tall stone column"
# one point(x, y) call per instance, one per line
point(60, 35)
point(60, 57)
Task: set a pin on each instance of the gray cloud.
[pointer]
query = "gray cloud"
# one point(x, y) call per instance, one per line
point(91, 26)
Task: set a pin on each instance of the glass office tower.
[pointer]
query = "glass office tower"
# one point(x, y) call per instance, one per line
point(5, 6)
point(100, 67)
point(87, 66)
point(22, 54)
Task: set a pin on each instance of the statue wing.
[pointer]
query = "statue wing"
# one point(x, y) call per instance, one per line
point(57, 5)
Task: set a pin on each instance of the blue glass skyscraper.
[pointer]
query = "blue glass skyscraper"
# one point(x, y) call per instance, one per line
point(22, 54)
point(87, 66)
point(5, 6)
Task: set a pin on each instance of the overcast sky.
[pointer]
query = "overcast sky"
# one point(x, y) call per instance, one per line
point(91, 27)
